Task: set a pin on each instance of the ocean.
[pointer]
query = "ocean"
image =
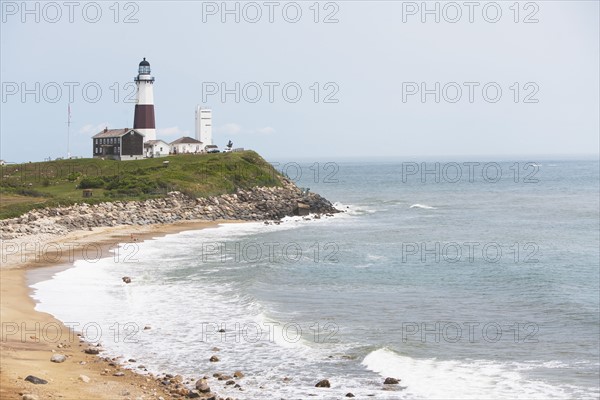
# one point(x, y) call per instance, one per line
point(463, 280)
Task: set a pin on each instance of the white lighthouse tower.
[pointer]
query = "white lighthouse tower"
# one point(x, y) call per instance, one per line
point(204, 125)
point(143, 121)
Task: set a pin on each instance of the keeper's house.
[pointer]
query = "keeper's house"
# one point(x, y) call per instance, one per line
point(119, 144)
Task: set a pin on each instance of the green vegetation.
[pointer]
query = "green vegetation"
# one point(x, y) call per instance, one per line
point(24, 187)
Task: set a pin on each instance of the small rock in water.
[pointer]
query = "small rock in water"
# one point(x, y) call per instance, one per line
point(323, 384)
point(221, 330)
point(131, 360)
point(35, 380)
point(147, 327)
point(214, 359)
point(349, 395)
point(391, 381)
point(230, 382)
point(238, 374)
point(120, 373)
point(58, 358)
point(84, 378)
point(126, 279)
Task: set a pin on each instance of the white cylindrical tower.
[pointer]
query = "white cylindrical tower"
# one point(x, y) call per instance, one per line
point(204, 125)
point(143, 120)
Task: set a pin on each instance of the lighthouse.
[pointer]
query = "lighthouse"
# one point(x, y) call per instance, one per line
point(143, 121)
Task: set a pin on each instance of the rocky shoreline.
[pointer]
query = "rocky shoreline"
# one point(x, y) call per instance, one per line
point(256, 204)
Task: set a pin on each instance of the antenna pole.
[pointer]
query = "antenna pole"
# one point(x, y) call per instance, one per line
point(69, 132)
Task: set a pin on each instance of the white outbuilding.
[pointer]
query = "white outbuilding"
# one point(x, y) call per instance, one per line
point(186, 145)
point(156, 148)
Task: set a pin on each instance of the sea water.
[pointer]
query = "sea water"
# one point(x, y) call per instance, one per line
point(464, 280)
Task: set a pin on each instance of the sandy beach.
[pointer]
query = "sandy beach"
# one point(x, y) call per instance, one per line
point(30, 338)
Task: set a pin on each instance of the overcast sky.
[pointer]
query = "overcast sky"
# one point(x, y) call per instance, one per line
point(508, 80)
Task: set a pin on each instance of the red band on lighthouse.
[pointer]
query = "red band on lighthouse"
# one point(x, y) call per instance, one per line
point(144, 117)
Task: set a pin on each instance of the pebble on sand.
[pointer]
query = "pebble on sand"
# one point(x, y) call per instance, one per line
point(202, 386)
point(58, 358)
point(35, 380)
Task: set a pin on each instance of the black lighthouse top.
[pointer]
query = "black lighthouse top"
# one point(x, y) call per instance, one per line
point(144, 67)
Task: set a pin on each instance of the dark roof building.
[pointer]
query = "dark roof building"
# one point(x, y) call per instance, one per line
point(118, 144)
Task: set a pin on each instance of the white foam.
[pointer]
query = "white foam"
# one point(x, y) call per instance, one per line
point(353, 210)
point(422, 206)
point(452, 379)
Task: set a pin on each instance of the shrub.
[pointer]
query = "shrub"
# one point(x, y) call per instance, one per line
point(72, 177)
point(30, 192)
point(91, 183)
